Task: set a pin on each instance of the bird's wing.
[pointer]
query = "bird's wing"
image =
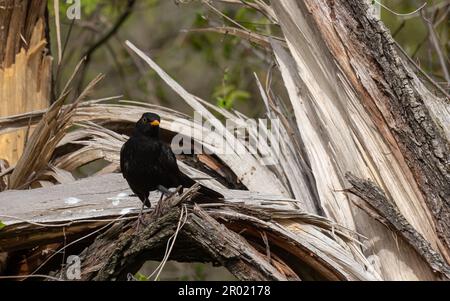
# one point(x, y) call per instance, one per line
point(168, 163)
point(183, 179)
point(123, 161)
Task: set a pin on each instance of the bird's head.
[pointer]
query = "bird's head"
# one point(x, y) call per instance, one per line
point(148, 125)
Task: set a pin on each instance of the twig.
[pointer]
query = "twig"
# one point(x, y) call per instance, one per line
point(434, 8)
point(430, 80)
point(63, 260)
point(435, 41)
point(121, 72)
point(399, 28)
point(24, 277)
point(7, 171)
point(68, 224)
point(225, 16)
point(58, 30)
point(111, 32)
point(171, 241)
point(58, 67)
point(74, 73)
point(399, 14)
point(27, 134)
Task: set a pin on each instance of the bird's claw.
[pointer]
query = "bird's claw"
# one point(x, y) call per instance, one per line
point(141, 221)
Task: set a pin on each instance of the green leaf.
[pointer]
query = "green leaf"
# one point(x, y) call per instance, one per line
point(223, 90)
point(200, 274)
point(224, 103)
point(200, 20)
point(140, 277)
point(239, 95)
point(89, 6)
point(2, 225)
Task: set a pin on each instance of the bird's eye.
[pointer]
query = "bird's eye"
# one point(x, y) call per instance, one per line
point(144, 120)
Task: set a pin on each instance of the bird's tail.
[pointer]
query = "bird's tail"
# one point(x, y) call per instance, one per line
point(204, 191)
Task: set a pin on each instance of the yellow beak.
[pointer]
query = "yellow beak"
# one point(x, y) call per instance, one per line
point(154, 123)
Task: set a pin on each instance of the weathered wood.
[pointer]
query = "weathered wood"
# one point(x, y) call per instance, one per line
point(114, 254)
point(402, 103)
point(25, 70)
point(61, 212)
point(122, 250)
point(91, 200)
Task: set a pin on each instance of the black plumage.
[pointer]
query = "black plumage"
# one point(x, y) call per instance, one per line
point(149, 164)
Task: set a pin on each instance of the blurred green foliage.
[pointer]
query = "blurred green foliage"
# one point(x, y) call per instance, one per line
point(230, 89)
point(199, 273)
point(218, 68)
point(177, 271)
point(412, 34)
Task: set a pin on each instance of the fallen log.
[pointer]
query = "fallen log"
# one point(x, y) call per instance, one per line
point(302, 245)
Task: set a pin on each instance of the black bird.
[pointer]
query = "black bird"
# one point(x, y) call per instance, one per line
point(149, 164)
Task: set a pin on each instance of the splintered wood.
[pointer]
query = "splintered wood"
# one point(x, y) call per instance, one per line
point(25, 68)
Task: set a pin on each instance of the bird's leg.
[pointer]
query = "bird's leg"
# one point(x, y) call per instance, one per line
point(140, 217)
point(165, 191)
point(158, 205)
point(162, 195)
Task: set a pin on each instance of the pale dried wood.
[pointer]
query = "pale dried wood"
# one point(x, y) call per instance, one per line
point(418, 130)
point(293, 165)
point(43, 141)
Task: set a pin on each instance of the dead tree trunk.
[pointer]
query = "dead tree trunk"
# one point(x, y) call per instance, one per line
point(361, 108)
point(25, 72)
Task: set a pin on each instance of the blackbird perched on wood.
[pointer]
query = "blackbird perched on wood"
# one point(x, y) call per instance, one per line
point(149, 164)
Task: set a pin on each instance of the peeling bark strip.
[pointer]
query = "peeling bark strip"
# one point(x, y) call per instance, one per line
point(391, 217)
